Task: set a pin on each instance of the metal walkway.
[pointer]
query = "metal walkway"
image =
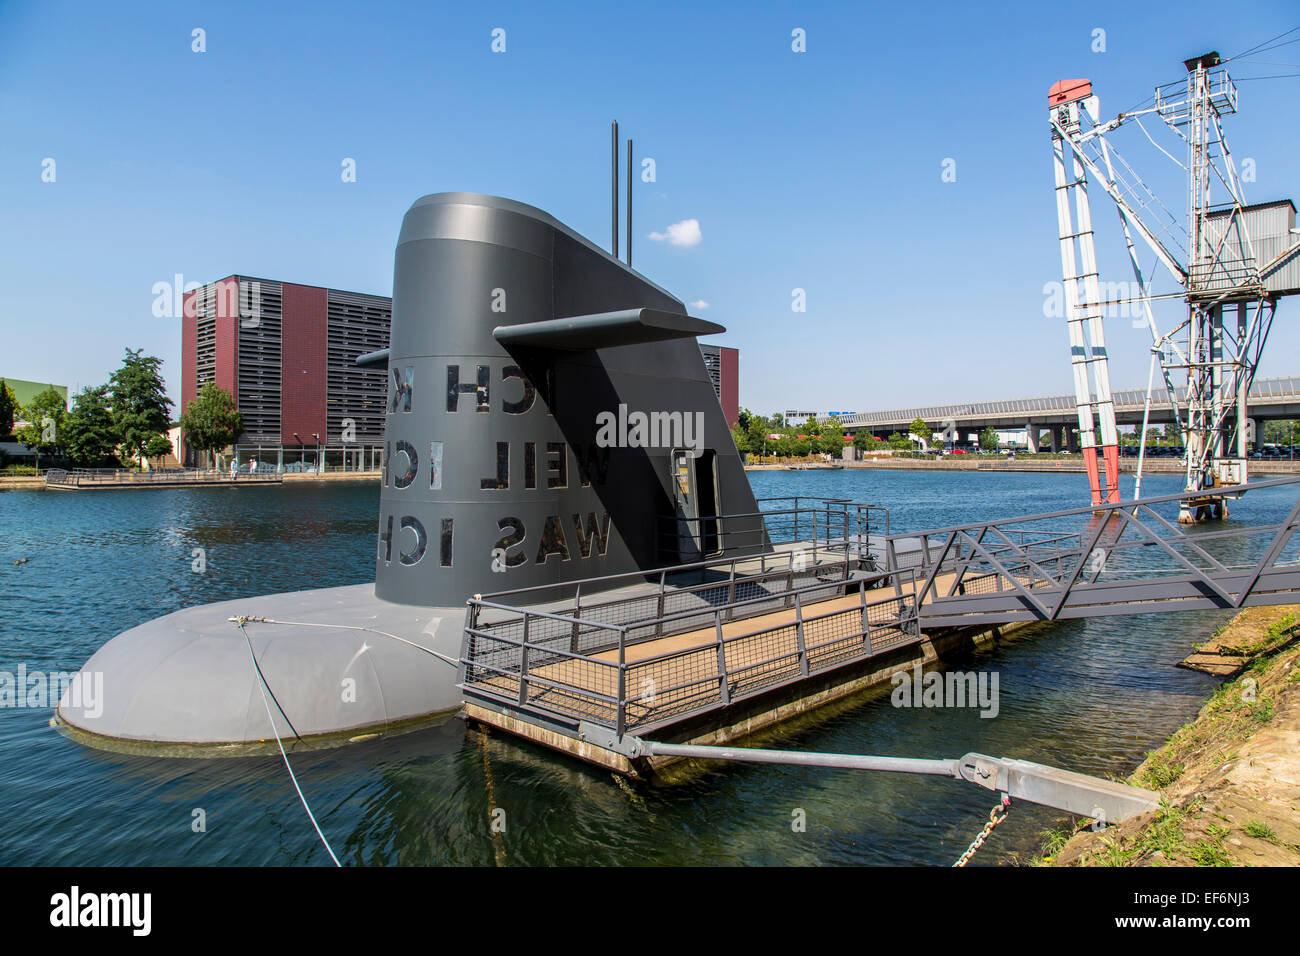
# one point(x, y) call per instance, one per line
point(651, 652)
point(1126, 559)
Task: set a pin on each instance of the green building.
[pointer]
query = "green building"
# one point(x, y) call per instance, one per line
point(26, 391)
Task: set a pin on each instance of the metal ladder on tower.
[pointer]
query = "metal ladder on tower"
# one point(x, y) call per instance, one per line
point(1082, 298)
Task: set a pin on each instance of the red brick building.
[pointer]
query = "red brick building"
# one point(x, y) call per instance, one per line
point(724, 369)
point(287, 353)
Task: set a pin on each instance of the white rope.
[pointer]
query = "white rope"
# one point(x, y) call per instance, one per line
point(240, 621)
point(261, 686)
point(352, 627)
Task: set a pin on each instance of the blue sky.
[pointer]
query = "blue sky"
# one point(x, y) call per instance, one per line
point(818, 170)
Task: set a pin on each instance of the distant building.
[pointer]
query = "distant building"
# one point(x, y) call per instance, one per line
point(26, 391)
point(287, 353)
point(723, 365)
point(798, 418)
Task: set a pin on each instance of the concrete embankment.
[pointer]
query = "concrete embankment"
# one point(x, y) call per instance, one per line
point(35, 484)
point(334, 476)
point(1230, 776)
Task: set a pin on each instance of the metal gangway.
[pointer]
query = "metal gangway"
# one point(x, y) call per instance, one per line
point(647, 665)
point(1126, 559)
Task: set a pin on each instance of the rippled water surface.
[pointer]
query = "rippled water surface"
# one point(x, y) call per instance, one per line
point(1092, 696)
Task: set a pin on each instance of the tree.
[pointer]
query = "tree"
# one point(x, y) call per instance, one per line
point(211, 422)
point(157, 446)
point(44, 415)
point(920, 431)
point(89, 433)
point(900, 442)
point(989, 439)
point(756, 430)
point(141, 408)
point(741, 438)
point(1271, 433)
point(8, 405)
point(832, 438)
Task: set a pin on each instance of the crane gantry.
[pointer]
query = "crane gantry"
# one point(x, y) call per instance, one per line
point(1231, 262)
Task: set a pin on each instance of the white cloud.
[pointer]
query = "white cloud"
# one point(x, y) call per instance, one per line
point(698, 304)
point(684, 233)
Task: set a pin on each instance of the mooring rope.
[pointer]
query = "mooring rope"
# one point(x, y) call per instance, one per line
point(353, 627)
point(265, 689)
point(498, 840)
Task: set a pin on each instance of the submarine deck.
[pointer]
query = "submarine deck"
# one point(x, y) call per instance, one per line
point(646, 683)
point(746, 646)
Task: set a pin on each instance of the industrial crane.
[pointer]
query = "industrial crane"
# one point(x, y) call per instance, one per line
point(1232, 261)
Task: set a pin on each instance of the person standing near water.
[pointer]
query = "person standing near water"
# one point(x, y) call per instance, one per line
point(234, 469)
point(252, 466)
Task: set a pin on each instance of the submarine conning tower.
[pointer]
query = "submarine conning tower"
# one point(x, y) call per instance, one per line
point(549, 418)
point(520, 359)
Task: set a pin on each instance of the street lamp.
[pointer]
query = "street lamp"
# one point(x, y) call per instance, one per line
point(320, 465)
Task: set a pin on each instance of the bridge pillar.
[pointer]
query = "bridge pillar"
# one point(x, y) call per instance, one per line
point(1072, 440)
point(1056, 437)
point(1031, 438)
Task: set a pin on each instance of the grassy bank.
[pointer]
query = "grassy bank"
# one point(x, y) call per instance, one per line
point(1230, 776)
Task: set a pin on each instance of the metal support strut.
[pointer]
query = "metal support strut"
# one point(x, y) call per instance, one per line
point(1103, 800)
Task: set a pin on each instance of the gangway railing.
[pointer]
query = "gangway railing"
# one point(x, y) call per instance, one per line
point(623, 666)
point(819, 523)
point(742, 585)
point(1129, 559)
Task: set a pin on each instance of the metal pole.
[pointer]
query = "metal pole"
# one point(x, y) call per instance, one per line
point(938, 768)
point(629, 204)
point(613, 185)
point(621, 725)
point(1021, 779)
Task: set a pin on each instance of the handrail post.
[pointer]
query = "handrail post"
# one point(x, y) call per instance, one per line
point(659, 621)
point(731, 590)
point(789, 578)
point(621, 719)
point(866, 623)
point(724, 685)
point(799, 636)
point(523, 666)
point(577, 613)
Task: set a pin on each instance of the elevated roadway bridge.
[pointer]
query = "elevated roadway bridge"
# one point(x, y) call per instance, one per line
point(1270, 398)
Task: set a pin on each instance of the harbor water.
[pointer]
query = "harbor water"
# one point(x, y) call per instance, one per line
point(1091, 696)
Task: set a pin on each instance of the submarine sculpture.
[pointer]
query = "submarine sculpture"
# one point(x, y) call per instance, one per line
point(516, 345)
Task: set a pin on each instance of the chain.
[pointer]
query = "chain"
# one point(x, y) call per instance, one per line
point(996, 816)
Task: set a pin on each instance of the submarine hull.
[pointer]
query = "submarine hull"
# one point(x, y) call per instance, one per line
point(188, 679)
